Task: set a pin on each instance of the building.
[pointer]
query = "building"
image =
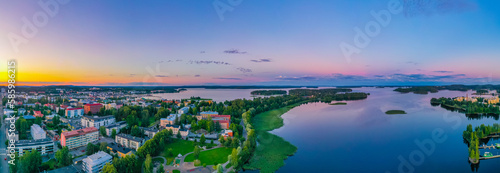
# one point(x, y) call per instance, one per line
point(95, 162)
point(183, 110)
point(175, 128)
point(117, 126)
point(224, 120)
point(78, 138)
point(129, 141)
point(29, 117)
point(21, 111)
point(93, 108)
point(120, 151)
point(492, 101)
point(38, 114)
point(74, 112)
point(149, 132)
point(227, 134)
point(169, 120)
point(184, 132)
point(96, 121)
point(206, 114)
point(44, 146)
point(37, 132)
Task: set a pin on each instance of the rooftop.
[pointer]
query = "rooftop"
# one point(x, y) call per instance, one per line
point(79, 132)
point(96, 158)
point(97, 118)
point(130, 137)
point(210, 112)
point(116, 148)
point(21, 143)
point(95, 104)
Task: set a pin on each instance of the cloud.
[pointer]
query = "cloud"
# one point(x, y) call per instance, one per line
point(244, 70)
point(424, 77)
point(197, 75)
point(261, 60)
point(443, 71)
point(234, 51)
point(432, 7)
point(412, 62)
point(202, 51)
point(161, 76)
point(228, 78)
point(208, 62)
point(296, 78)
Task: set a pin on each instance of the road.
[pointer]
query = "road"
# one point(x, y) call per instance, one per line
point(4, 166)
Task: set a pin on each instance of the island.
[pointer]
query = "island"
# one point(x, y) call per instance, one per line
point(268, 92)
point(469, 105)
point(338, 103)
point(392, 112)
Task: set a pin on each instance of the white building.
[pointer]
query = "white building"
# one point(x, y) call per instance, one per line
point(183, 110)
point(117, 126)
point(95, 162)
point(97, 121)
point(37, 132)
point(44, 146)
point(74, 112)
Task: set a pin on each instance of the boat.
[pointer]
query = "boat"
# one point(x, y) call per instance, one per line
point(497, 145)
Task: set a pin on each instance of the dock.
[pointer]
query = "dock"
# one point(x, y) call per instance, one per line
point(487, 147)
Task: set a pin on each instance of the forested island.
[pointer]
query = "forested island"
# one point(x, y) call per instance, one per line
point(268, 92)
point(329, 95)
point(478, 136)
point(434, 89)
point(392, 112)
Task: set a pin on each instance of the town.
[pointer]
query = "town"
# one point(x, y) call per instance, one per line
point(82, 131)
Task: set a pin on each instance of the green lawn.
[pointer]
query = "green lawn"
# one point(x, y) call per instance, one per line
point(179, 147)
point(271, 120)
point(211, 157)
point(176, 171)
point(272, 150)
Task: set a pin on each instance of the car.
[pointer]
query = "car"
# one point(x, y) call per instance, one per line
point(5, 158)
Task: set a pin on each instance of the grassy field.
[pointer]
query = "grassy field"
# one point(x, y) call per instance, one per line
point(211, 157)
point(270, 120)
point(176, 171)
point(272, 150)
point(179, 147)
point(160, 160)
point(391, 112)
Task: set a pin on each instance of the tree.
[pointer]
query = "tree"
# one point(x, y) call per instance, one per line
point(148, 164)
point(109, 168)
point(170, 152)
point(91, 149)
point(179, 136)
point(102, 130)
point(103, 146)
point(196, 152)
point(221, 140)
point(30, 161)
point(56, 120)
point(234, 158)
point(63, 157)
point(161, 169)
point(220, 169)
point(136, 131)
point(113, 133)
point(202, 139)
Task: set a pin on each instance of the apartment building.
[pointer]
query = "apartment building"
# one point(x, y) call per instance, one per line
point(206, 114)
point(93, 108)
point(37, 132)
point(129, 141)
point(96, 121)
point(95, 162)
point(44, 146)
point(78, 138)
point(73, 112)
point(117, 126)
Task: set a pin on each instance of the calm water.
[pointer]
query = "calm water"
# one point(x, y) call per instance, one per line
point(360, 137)
point(218, 95)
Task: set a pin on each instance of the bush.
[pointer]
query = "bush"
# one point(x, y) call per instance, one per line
point(197, 162)
point(204, 165)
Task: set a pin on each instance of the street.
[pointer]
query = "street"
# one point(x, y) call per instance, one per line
point(4, 166)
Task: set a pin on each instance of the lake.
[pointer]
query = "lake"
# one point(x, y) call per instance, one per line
point(360, 137)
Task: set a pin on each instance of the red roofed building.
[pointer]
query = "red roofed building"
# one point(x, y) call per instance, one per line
point(224, 120)
point(78, 138)
point(64, 106)
point(94, 108)
point(38, 114)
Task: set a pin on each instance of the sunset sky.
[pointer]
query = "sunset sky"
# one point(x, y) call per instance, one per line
point(255, 42)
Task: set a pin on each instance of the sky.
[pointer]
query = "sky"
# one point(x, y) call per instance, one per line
point(243, 42)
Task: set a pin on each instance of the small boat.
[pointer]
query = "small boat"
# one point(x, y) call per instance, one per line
point(497, 145)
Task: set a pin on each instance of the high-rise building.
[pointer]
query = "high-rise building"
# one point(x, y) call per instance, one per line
point(96, 121)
